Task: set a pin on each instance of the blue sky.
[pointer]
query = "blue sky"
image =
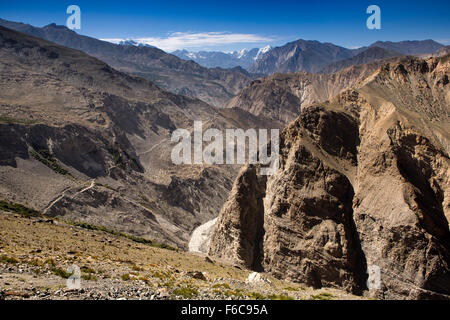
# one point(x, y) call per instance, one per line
point(233, 25)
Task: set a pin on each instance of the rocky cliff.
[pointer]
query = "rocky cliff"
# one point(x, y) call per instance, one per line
point(363, 181)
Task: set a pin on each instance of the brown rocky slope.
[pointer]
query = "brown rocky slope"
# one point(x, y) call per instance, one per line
point(363, 181)
point(282, 96)
point(82, 141)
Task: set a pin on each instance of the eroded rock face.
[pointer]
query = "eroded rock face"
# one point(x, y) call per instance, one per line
point(363, 181)
point(239, 230)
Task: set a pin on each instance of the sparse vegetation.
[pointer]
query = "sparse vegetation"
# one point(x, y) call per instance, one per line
point(221, 285)
point(158, 273)
point(61, 273)
point(117, 157)
point(280, 297)
point(168, 284)
point(6, 259)
point(89, 277)
point(290, 289)
point(186, 292)
point(47, 159)
point(105, 186)
point(137, 268)
point(237, 293)
point(88, 273)
point(9, 120)
point(121, 158)
point(34, 262)
point(121, 234)
point(18, 208)
point(322, 296)
point(50, 262)
point(256, 296)
point(87, 270)
point(146, 280)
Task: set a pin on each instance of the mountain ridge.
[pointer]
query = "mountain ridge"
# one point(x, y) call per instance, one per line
point(313, 56)
point(282, 96)
point(299, 55)
point(214, 86)
point(210, 59)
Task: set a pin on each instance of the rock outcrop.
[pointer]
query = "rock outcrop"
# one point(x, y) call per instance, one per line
point(363, 181)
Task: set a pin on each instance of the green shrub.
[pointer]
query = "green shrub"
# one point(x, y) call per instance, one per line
point(186, 292)
point(9, 120)
point(6, 259)
point(256, 296)
point(292, 289)
point(50, 262)
point(233, 293)
point(148, 242)
point(280, 297)
point(61, 273)
point(89, 276)
point(221, 285)
point(87, 270)
point(47, 159)
point(322, 296)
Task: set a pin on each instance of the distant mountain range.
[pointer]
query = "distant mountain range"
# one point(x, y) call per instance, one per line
point(214, 86)
point(217, 77)
point(300, 55)
point(304, 55)
point(282, 96)
point(210, 59)
point(314, 56)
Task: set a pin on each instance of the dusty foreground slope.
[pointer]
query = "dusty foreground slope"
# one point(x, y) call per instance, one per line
point(80, 140)
point(364, 182)
point(35, 253)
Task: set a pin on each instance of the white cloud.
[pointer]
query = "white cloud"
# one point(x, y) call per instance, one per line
point(180, 40)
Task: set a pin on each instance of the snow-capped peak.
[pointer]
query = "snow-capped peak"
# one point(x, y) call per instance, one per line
point(191, 55)
point(262, 51)
point(241, 53)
